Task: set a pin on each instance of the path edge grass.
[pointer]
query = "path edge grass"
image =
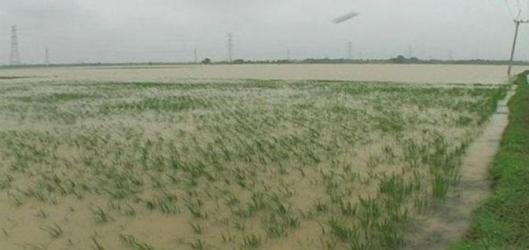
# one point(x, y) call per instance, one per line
point(502, 222)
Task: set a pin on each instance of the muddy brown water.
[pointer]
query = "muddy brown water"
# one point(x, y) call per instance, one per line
point(449, 220)
point(405, 73)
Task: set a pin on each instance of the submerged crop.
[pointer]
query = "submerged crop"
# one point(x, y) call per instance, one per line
point(244, 165)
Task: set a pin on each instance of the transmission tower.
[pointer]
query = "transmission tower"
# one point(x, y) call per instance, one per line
point(350, 50)
point(195, 55)
point(230, 47)
point(47, 56)
point(14, 58)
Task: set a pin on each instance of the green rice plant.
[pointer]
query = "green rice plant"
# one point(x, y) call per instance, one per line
point(5, 181)
point(369, 211)
point(321, 207)
point(440, 185)
point(277, 225)
point(256, 203)
point(396, 188)
point(42, 214)
point(123, 208)
point(194, 207)
point(198, 245)
point(168, 204)
point(226, 238)
point(414, 153)
point(239, 226)
point(347, 208)
point(373, 161)
point(97, 244)
point(251, 242)
point(421, 202)
point(390, 233)
point(346, 233)
point(132, 242)
point(101, 216)
point(54, 231)
point(196, 228)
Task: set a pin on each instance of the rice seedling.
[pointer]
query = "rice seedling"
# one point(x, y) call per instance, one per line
point(251, 242)
point(198, 245)
point(96, 244)
point(196, 228)
point(101, 216)
point(54, 231)
point(133, 243)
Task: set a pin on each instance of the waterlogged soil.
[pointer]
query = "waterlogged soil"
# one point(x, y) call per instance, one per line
point(449, 219)
point(227, 165)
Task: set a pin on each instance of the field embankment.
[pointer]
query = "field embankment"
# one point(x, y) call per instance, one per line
point(502, 222)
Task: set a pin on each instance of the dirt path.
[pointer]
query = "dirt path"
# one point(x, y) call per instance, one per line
point(449, 220)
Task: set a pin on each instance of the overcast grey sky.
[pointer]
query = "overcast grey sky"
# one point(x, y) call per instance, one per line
point(169, 30)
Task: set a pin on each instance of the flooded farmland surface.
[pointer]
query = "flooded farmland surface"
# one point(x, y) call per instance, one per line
point(491, 74)
point(228, 165)
point(187, 157)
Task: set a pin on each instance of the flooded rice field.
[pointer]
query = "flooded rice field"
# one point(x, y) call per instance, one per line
point(246, 164)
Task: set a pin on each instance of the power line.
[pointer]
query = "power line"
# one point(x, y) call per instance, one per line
point(14, 58)
point(509, 8)
point(527, 9)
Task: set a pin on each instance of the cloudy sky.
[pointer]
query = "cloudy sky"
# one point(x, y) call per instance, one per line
point(169, 30)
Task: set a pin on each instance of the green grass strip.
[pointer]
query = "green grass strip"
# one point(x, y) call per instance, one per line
point(503, 221)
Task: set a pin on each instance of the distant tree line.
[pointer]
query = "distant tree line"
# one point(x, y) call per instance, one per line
point(396, 60)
